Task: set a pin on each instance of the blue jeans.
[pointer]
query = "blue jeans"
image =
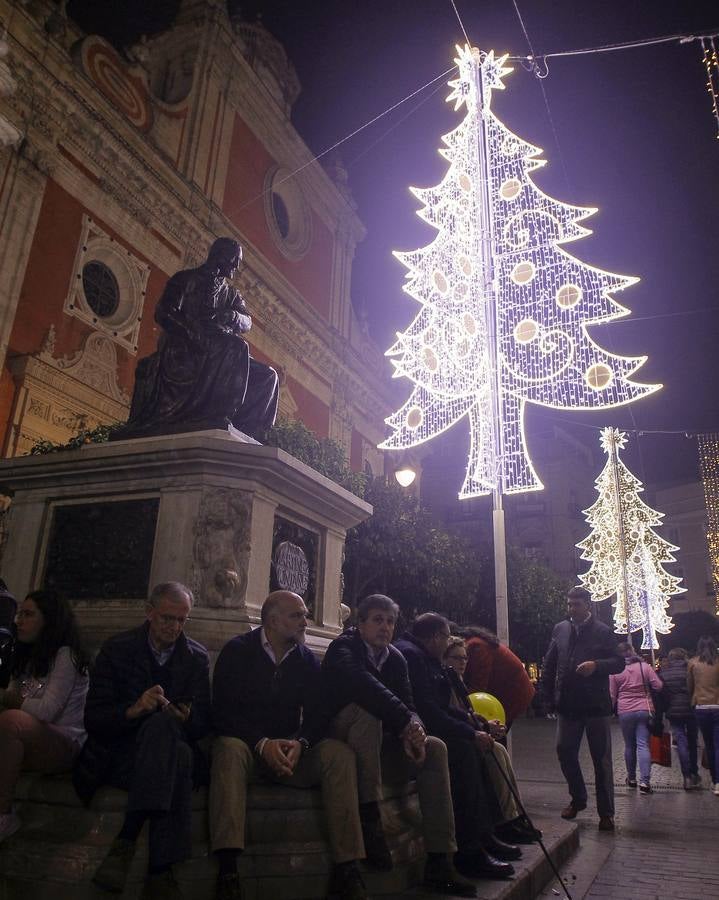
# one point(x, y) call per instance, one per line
point(708, 721)
point(635, 731)
point(684, 731)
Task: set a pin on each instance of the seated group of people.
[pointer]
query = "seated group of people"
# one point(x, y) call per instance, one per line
point(371, 712)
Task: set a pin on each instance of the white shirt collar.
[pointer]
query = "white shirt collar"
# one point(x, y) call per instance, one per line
point(377, 660)
point(267, 647)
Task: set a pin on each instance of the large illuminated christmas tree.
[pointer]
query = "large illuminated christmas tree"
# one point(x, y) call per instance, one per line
point(627, 555)
point(505, 309)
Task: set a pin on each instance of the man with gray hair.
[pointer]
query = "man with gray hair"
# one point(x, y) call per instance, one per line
point(148, 705)
point(583, 653)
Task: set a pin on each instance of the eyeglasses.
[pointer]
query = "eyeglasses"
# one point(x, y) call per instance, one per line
point(173, 620)
point(457, 657)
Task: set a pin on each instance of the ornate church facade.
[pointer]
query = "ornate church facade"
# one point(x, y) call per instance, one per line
point(118, 170)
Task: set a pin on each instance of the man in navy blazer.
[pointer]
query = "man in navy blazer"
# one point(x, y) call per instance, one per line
point(270, 720)
point(147, 706)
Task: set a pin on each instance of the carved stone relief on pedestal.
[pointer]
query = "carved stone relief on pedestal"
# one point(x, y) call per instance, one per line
point(221, 549)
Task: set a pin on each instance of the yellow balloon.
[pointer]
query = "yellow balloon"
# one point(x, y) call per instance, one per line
point(487, 706)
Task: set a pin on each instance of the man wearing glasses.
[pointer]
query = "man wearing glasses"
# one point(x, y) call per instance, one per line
point(148, 705)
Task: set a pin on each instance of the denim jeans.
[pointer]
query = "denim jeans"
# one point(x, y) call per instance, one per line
point(635, 731)
point(708, 721)
point(684, 731)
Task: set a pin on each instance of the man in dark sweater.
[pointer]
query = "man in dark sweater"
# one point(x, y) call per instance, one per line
point(582, 655)
point(269, 718)
point(147, 706)
point(370, 697)
point(476, 810)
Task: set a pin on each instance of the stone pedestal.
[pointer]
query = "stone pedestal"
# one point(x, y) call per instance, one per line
point(108, 521)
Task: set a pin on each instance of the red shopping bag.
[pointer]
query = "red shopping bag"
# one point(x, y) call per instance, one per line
point(661, 749)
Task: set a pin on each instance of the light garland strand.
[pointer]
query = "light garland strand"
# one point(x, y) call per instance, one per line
point(505, 311)
point(627, 556)
point(711, 64)
point(709, 466)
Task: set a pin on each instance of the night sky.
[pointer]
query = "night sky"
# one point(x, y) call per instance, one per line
point(630, 132)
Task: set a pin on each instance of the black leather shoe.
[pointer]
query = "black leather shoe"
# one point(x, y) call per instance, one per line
point(346, 883)
point(500, 850)
point(515, 833)
point(441, 877)
point(482, 865)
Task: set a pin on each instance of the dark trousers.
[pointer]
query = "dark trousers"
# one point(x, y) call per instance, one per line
point(599, 737)
point(157, 774)
point(476, 810)
point(708, 721)
point(685, 732)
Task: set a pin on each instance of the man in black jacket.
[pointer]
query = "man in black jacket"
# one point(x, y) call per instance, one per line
point(369, 694)
point(582, 655)
point(270, 720)
point(476, 810)
point(147, 706)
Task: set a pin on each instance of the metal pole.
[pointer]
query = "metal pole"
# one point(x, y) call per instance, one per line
point(620, 523)
point(500, 569)
point(495, 425)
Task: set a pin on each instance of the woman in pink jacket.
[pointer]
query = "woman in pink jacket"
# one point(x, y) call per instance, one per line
point(631, 694)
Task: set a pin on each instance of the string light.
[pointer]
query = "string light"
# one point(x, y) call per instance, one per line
point(505, 310)
point(709, 464)
point(711, 64)
point(626, 554)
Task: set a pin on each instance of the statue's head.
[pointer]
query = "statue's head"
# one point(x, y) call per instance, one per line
point(224, 257)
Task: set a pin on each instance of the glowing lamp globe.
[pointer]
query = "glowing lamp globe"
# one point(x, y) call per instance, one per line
point(487, 706)
point(405, 476)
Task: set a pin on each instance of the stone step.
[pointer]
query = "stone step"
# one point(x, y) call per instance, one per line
point(61, 843)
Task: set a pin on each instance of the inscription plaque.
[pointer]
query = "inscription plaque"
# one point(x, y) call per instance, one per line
point(295, 552)
point(102, 550)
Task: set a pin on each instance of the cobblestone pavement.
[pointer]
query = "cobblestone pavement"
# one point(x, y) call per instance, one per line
point(666, 844)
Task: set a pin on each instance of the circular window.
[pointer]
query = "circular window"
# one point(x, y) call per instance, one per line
point(102, 291)
point(282, 216)
point(288, 216)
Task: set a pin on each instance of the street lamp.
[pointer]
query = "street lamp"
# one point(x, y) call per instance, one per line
point(405, 473)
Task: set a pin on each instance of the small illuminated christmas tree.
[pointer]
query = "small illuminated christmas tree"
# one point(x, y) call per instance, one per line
point(505, 310)
point(627, 555)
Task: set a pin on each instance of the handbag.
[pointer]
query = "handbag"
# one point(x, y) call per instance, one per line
point(655, 723)
point(660, 747)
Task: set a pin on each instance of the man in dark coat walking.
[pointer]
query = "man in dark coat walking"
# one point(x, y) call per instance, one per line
point(148, 705)
point(582, 655)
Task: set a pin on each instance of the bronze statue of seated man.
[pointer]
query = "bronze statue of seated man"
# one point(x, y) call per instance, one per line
point(202, 375)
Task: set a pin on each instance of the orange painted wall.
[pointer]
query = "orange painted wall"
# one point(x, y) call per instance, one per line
point(249, 163)
point(47, 282)
point(311, 410)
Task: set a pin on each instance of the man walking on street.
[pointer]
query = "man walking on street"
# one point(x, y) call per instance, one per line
point(582, 655)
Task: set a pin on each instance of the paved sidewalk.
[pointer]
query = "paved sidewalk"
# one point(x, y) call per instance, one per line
point(666, 844)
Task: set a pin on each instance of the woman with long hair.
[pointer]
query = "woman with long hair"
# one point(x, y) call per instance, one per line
point(41, 710)
point(631, 693)
point(703, 684)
